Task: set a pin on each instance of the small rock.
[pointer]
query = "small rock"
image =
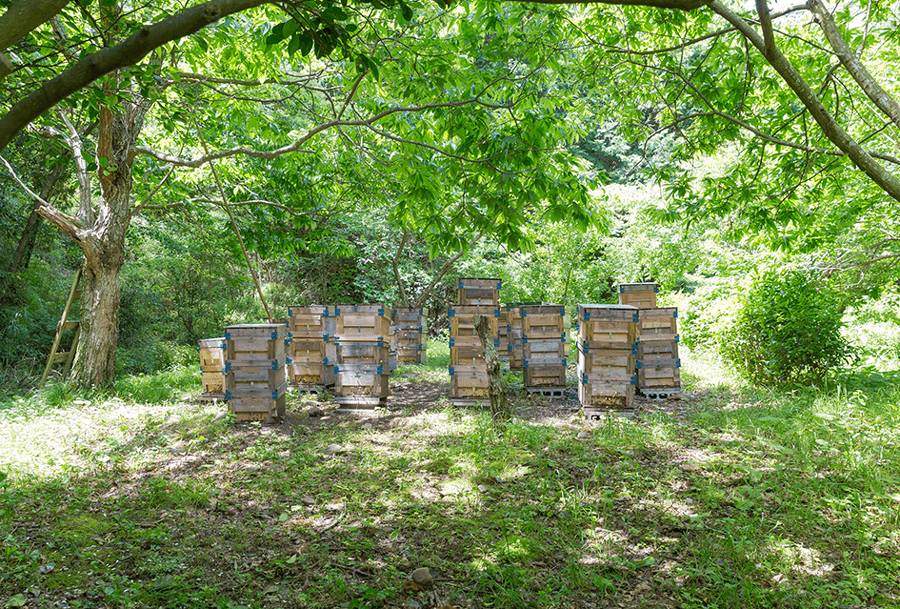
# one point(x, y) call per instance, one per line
point(367, 426)
point(315, 411)
point(178, 448)
point(582, 435)
point(334, 449)
point(411, 604)
point(422, 577)
point(483, 488)
point(308, 500)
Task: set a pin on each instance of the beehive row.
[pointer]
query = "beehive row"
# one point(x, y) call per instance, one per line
point(607, 351)
point(543, 346)
point(362, 341)
point(255, 371)
point(411, 327)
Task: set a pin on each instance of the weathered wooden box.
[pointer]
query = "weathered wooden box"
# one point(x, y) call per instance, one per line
point(543, 321)
point(640, 295)
point(358, 352)
point(607, 352)
point(255, 370)
point(472, 291)
point(212, 364)
point(469, 381)
point(362, 322)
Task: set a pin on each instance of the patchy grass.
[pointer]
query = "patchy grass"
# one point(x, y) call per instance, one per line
point(726, 498)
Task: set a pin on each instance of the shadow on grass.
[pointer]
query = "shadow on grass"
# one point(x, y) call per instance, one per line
point(336, 511)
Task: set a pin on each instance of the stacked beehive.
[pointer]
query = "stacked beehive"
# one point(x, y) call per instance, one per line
point(411, 325)
point(659, 368)
point(468, 368)
point(362, 339)
point(255, 375)
point(607, 349)
point(658, 365)
point(212, 365)
point(503, 333)
point(515, 346)
point(544, 348)
point(306, 349)
point(329, 327)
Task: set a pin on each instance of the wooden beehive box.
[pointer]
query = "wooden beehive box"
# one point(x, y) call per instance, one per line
point(255, 373)
point(329, 327)
point(659, 367)
point(469, 381)
point(503, 333)
point(306, 348)
point(543, 321)
point(212, 367)
point(544, 363)
point(358, 352)
point(363, 385)
point(468, 370)
point(640, 295)
point(411, 326)
point(363, 322)
point(514, 333)
point(607, 349)
point(479, 292)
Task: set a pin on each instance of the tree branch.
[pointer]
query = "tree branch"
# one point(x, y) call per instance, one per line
point(129, 52)
point(832, 130)
point(22, 17)
point(881, 98)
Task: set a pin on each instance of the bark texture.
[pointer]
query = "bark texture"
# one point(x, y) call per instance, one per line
point(499, 404)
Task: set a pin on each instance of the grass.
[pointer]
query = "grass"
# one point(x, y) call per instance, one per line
point(747, 498)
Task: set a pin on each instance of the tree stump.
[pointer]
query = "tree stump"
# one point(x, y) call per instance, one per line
point(496, 393)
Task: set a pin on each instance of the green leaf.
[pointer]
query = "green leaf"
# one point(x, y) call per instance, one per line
point(17, 601)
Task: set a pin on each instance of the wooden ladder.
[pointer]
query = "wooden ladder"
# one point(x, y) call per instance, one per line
point(65, 325)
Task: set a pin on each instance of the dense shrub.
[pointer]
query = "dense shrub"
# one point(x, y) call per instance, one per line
point(785, 330)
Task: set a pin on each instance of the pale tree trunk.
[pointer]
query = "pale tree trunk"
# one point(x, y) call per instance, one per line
point(95, 359)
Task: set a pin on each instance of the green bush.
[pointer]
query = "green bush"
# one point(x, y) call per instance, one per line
point(785, 330)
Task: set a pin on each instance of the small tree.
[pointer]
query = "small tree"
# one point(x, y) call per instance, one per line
point(785, 331)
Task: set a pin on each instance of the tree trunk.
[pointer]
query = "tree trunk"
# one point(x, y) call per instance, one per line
point(104, 248)
point(25, 247)
point(95, 357)
point(497, 394)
